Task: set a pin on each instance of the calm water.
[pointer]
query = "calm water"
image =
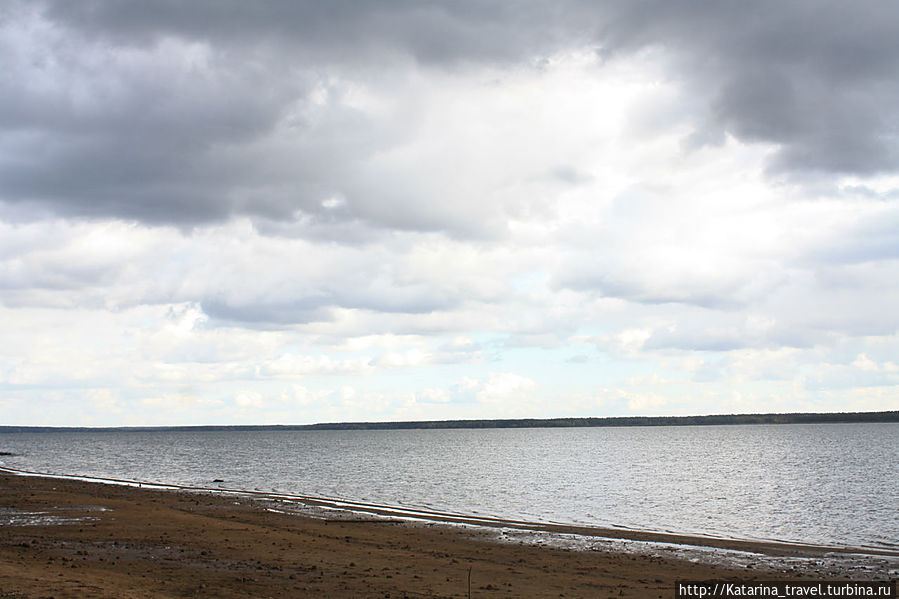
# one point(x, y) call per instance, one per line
point(828, 483)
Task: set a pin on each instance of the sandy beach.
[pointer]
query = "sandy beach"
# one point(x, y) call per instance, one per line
point(68, 538)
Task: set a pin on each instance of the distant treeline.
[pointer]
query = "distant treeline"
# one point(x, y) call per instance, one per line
point(816, 418)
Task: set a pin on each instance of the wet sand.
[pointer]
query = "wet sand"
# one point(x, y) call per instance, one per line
point(68, 538)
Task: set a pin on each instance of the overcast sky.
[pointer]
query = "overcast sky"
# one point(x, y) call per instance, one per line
point(217, 212)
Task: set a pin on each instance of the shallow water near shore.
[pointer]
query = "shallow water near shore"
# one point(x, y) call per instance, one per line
point(830, 484)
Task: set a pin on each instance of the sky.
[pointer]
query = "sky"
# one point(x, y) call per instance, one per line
point(229, 212)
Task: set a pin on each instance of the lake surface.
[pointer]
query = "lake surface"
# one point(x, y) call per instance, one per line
point(832, 484)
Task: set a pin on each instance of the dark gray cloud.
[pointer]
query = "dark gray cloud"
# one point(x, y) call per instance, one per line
point(816, 78)
point(359, 32)
point(145, 112)
point(265, 316)
point(166, 112)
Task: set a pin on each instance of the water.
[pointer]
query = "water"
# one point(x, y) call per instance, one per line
point(831, 484)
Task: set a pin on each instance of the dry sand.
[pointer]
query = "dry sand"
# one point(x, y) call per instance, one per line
point(66, 538)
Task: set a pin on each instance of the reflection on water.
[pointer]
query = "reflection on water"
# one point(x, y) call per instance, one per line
point(827, 483)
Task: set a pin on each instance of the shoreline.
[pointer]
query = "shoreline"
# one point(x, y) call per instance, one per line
point(698, 541)
point(75, 538)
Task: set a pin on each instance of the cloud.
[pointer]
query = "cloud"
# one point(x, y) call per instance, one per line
point(171, 402)
point(645, 403)
point(855, 376)
point(236, 275)
point(429, 32)
point(861, 232)
point(249, 399)
point(505, 387)
point(342, 118)
point(432, 395)
point(297, 366)
point(811, 77)
point(128, 112)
